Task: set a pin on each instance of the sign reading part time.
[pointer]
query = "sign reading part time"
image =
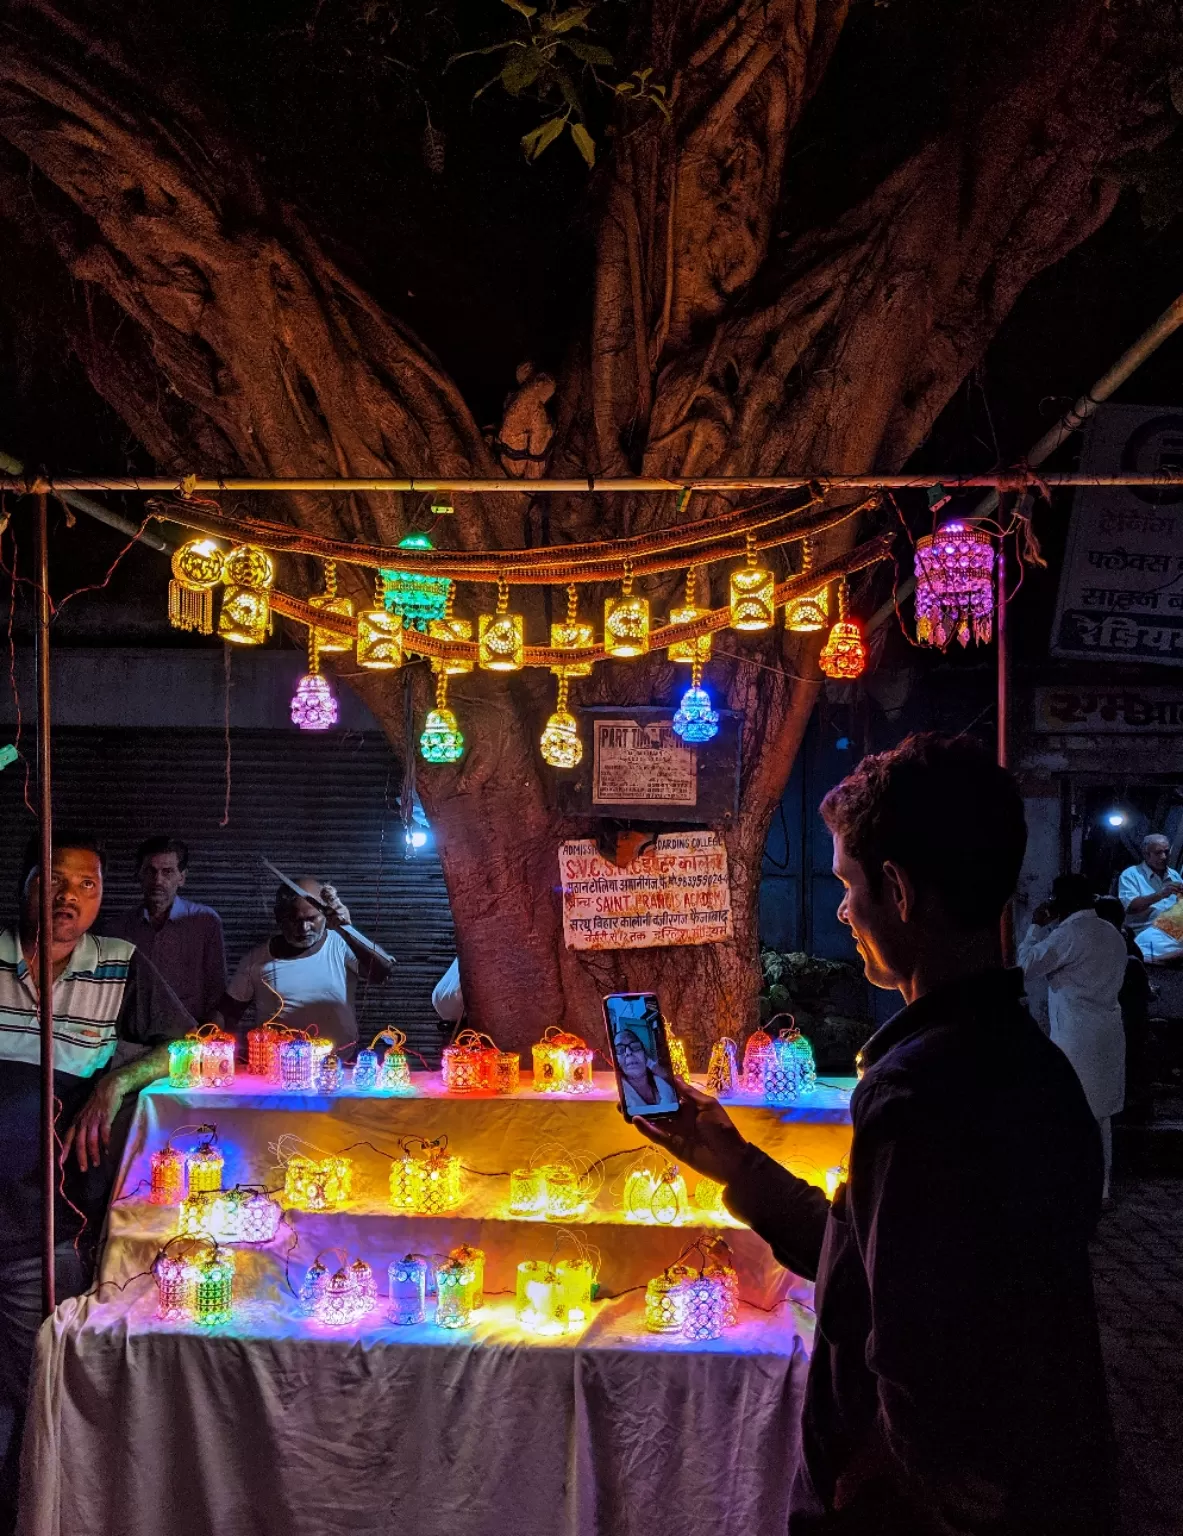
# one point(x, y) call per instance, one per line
point(676, 893)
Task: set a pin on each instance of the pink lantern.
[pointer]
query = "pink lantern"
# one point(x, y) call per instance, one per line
point(954, 585)
point(313, 706)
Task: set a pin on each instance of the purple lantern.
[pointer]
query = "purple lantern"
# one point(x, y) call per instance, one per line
point(313, 706)
point(954, 585)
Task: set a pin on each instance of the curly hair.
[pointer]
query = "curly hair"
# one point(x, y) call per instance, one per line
point(942, 809)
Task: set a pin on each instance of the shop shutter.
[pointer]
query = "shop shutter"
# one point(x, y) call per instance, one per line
point(319, 805)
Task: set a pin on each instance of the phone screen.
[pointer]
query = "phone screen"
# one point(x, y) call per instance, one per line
point(640, 1054)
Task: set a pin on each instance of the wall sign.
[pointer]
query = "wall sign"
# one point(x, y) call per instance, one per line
point(676, 893)
point(634, 763)
point(1107, 711)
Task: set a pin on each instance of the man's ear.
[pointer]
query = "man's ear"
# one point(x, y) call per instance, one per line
point(900, 890)
point(181, 881)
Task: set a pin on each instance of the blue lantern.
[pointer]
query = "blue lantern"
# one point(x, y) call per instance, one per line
point(695, 720)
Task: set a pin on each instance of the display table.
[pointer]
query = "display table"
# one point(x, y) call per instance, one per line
point(274, 1423)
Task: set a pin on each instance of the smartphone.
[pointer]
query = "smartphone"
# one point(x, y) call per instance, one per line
point(640, 1054)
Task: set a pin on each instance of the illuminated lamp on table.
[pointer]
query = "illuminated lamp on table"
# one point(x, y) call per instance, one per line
point(656, 1196)
point(562, 1063)
point(204, 1166)
point(457, 1286)
point(474, 1064)
point(665, 1300)
point(407, 1281)
point(176, 1278)
point(213, 1291)
point(296, 1064)
point(704, 1307)
point(678, 1059)
point(184, 1062)
point(551, 1299)
point(312, 1287)
point(262, 1052)
point(719, 1266)
point(391, 1074)
point(329, 1074)
point(323, 1184)
point(527, 1191)
point(427, 1184)
point(708, 1197)
point(756, 1052)
point(723, 1068)
point(167, 1184)
point(473, 1258)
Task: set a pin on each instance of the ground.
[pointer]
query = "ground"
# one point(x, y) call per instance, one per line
point(1138, 1268)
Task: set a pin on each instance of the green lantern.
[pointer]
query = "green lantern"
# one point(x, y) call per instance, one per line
point(418, 599)
point(442, 740)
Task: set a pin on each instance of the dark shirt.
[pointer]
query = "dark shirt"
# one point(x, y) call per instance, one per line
point(956, 1384)
point(188, 949)
point(146, 1015)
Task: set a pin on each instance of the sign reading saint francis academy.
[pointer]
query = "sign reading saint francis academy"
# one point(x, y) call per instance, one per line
point(1121, 592)
point(676, 893)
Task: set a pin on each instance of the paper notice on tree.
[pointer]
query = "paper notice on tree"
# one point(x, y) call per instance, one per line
point(676, 893)
point(635, 764)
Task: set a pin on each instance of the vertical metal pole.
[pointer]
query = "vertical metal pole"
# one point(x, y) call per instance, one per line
point(45, 916)
point(1007, 933)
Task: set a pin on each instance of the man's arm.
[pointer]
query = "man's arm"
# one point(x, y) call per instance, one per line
point(90, 1134)
point(1136, 905)
point(447, 998)
point(1042, 950)
point(373, 963)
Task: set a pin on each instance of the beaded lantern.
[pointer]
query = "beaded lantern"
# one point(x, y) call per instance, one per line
point(698, 649)
point(197, 1217)
point(205, 1168)
point(562, 1063)
point(719, 1264)
point(365, 1285)
point(708, 1197)
point(475, 1259)
point(704, 1307)
point(329, 641)
point(312, 1286)
point(394, 1071)
point(167, 1177)
point(501, 636)
point(365, 1070)
point(337, 1303)
point(442, 740)
point(626, 621)
point(809, 614)
point(567, 1192)
point(502, 1071)
point(262, 1052)
point(696, 720)
point(213, 1289)
point(184, 1062)
point(678, 1060)
point(259, 1217)
point(379, 635)
point(536, 1298)
point(323, 1184)
point(416, 599)
point(656, 1196)
point(457, 1283)
point(314, 705)
point(758, 1048)
point(572, 636)
point(176, 1278)
point(463, 1063)
point(844, 655)
point(407, 1284)
point(723, 1068)
point(296, 1064)
point(665, 1300)
point(782, 1069)
point(560, 744)
point(527, 1191)
point(453, 630)
point(245, 618)
point(954, 586)
point(197, 569)
point(217, 1059)
point(428, 1184)
point(753, 593)
point(329, 1074)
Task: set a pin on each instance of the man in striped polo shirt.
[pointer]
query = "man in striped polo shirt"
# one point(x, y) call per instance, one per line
point(113, 1017)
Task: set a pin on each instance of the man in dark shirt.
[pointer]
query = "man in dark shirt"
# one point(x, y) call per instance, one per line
point(108, 1004)
point(956, 1383)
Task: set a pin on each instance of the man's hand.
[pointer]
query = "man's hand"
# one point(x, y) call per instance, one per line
point(337, 913)
point(1044, 914)
point(90, 1135)
point(701, 1134)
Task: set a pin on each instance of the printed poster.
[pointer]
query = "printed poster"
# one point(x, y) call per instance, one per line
point(676, 893)
point(635, 764)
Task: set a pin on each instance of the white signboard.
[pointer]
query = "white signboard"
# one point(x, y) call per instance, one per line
point(1121, 591)
point(635, 764)
point(1108, 711)
point(676, 893)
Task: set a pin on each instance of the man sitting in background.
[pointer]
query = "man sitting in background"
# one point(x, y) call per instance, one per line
point(1146, 891)
point(182, 938)
point(106, 998)
point(306, 974)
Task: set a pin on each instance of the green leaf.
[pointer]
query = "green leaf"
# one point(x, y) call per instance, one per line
point(472, 53)
point(565, 20)
point(522, 8)
point(534, 142)
point(590, 53)
point(624, 87)
point(584, 143)
point(521, 72)
point(567, 87)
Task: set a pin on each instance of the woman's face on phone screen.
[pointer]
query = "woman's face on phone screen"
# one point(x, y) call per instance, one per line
point(630, 1053)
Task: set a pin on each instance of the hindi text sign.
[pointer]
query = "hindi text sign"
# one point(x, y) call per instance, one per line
point(676, 893)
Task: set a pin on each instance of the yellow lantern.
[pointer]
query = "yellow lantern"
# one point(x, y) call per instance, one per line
point(538, 1298)
point(753, 593)
point(574, 636)
point(562, 1063)
point(426, 1185)
point(708, 1197)
point(527, 1192)
point(560, 743)
point(626, 621)
point(659, 1197)
point(576, 1279)
point(328, 640)
point(501, 636)
point(566, 1192)
point(205, 1168)
point(245, 618)
point(665, 1300)
point(809, 614)
point(723, 1068)
point(379, 635)
point(450, 628)
point(323, 1184)
point(698, 649)
point(719, 1264)
point(197, 570)
point(678, 1056)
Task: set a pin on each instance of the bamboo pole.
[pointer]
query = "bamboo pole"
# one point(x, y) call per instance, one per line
point(45, 916)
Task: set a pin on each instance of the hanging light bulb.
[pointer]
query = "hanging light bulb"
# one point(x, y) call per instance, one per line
point(695, 720)
point(807, 615)
point(753, 593)
point(501, 636)
point(561, 746)
point(954, 585)
point(245, 618)
point(328, 640)
point(844, 655)
point(441, 741)
point(574, 636)
point(698, 649)
point(197, 570)
point(314, 707)
point(626, 620)
point(441, 505)
point(450, 628)
point(416, 599)
point(379, 634)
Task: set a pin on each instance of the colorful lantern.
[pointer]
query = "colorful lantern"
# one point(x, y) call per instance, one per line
point(428, 1184)
point(329, 641)
point(196, 1217)
point(567, 1193)
point(560, 743)
point(314, 706)
point(704, 1308)
point(312, 1287)
point(364, 1285)
point(416, 599)
point(954, 586)
point(809, 614)
point(782, 1071)
point(205, 1168)
point(527, 1191)
point(329, 1074)
point(502, 1071)
point(167, 1176)
point(665, 1303)
point(184, 1062)
point(442, 740)
point(262, 1052)
point(576, 1281)
point(176, 1279)
point(678, 1061)
point(394, 1073)
point(473, 1064)
point(723, 1068)
point(844, 655)
point(562, 1063)
point(656, 1196)
point(259, 1217)
point(708, 1197)
point(296, 1064)
point(456, 1284)
point(753, 593)
point(573, 636)
point(626, 621)
point(217, 1059)
point(323, 1184)
point(213, 1290)
point(501, 636)
point(758, 1048)
point(719, 1265)
point(365, 1070)
point(245, 618)
point(698, 649)
point(696, 721)
point(337, 1303)
point(379, 635)
point(537, 1300)
point(475, 1259)
point(197, 570)
point(407, 1283)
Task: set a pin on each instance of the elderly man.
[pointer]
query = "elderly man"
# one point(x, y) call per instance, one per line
point(106, 999)
point(1147, 890)
point(305, 976)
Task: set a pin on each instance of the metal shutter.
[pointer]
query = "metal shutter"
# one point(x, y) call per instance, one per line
point(319, 805)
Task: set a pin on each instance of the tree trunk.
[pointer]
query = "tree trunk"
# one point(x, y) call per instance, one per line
point(219, 328)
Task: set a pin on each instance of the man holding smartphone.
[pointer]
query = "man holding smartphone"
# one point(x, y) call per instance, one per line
point(956, 1384)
